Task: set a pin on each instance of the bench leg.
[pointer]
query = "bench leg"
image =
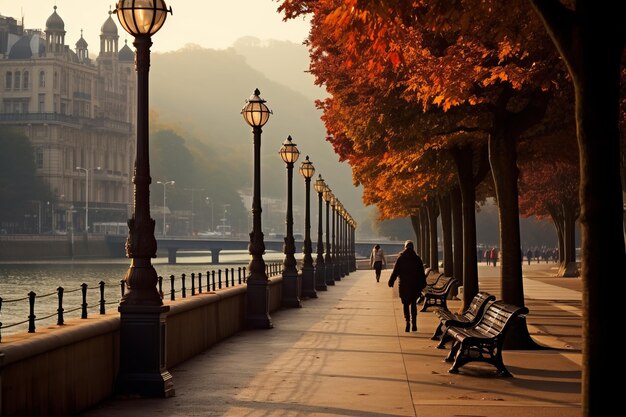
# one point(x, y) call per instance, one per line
point(437, 333)
point(426, 304)
point(453, 351)
point(461, 358)
point(445, 338)
point(499, 364)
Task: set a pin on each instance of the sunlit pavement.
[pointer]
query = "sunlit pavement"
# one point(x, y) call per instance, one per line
point(346, 354)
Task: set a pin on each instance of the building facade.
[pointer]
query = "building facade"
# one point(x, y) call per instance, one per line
point(79, 114)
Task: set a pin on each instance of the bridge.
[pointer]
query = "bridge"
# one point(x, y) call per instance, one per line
point(216, 245)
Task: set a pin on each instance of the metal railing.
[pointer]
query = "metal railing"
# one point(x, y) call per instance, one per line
point(211, 281)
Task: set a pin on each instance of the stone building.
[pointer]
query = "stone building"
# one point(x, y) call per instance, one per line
point(79, 112)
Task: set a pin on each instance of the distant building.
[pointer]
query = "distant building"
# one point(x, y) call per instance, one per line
point(77, 112)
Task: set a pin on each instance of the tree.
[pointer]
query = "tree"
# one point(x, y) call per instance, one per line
point(590, 37)
point(20, 186)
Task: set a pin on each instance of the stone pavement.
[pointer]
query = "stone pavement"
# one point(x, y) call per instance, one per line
point(346, 354)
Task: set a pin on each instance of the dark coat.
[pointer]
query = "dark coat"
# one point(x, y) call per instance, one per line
point(410, 269)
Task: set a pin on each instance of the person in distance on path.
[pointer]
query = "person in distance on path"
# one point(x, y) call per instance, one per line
point(410, 269)
point(377, 260)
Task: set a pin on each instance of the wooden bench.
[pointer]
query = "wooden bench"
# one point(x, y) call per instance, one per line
point(467, 318)
point(483, 341)
point(432, 277)
point(437, 294)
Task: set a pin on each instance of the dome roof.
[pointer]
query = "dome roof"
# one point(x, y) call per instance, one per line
point(109, 27)
point(55, 22)
point(126, 54)
point(21, 49)
point(81, 43)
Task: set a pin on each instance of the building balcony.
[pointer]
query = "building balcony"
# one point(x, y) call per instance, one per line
point(100, 123)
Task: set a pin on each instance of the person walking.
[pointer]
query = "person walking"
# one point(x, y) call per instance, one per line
point(410, 269)
point(529, 255)
point(377, 260)
point(494, 256)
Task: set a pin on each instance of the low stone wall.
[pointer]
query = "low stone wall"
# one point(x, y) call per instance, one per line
point(62, 370)
point(26, 248)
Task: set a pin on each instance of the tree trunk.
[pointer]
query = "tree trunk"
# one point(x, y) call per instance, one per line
point(503, 160)
point(415, 222)
point(569, 267)
point(557, 220)
point(591, 40)
point(433, 213)
point(425, 240)
point(417, 229)
point(464, 167)
point(446, 228)
point(457, 230)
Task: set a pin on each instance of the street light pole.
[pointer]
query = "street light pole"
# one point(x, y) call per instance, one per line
point(256, 114)
point(142, 368)
point(86, 170)
point(328, 259)
point(165, 184)
point(308, 271)
point(291, 279)
point(211, 200)
point(193, 191)
point(320, 268)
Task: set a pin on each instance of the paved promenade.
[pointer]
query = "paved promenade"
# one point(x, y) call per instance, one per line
point(346, 354)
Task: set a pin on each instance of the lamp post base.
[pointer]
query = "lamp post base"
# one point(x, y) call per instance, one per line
point(320, 279)
point(292, 283)
point(308, 282)
point(258, 298)
point(143, 352)
point(328, 274)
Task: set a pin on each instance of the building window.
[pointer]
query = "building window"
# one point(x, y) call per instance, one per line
point(26, 80)
point(56, 81)
point(42, 104)
point(42, 79)
point(39, 158)
point(8, 80)
point(18, 79)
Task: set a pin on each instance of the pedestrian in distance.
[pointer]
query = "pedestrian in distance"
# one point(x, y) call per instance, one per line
point(409, 268)
point(377, 260)
point(494, 256)
point(529, 255)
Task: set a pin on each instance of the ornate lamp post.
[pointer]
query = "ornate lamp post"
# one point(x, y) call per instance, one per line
point(165, 184)
point(308, 271)
point(342, 240)
point(256, 114)
point(289, 153)
point(328, 260)
point(340, 255)
point(142, 324)
point(336, 268)
point(320, 268)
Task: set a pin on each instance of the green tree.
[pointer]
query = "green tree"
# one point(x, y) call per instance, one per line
point(20, 187)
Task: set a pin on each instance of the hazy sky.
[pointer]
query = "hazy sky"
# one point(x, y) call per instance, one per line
point(209, 23)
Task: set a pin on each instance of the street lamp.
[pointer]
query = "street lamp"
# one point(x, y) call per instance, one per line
point(289, 153)
point(142, 323)
point(328, 260)
point(256, 114)
point(308, 271)
point(320, 268)
point(193, 191)
point(165, 184)
point(86, 171)
point(333, 204)
point(209, 199)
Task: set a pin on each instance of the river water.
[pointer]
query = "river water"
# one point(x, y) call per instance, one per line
point(44, 277)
